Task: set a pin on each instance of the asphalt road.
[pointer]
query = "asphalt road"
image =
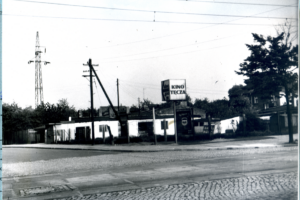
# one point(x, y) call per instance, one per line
point(229, 174)
point(16, 155)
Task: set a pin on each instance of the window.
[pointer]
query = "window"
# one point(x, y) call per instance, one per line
point(273, 99)
point(266, 106)
point(255, 100)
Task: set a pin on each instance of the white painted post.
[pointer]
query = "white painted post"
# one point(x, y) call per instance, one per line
point(155, 141)
point(165, 130)
point(103, 133)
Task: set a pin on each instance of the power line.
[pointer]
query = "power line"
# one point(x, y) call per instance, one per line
point(175, 33)
point(134, 20)
point(163, 12)
point(155, 87)
point(189, 91)
point(252, 4)
point(197, 43)
point(169, 54)
point(189, 30)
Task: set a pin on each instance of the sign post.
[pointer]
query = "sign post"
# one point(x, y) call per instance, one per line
point(175, 128)
point(173, 90)
point(165, 130)
point(155, 141)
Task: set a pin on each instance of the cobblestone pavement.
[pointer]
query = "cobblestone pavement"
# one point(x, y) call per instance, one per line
point(274, 186)
point(122, 160)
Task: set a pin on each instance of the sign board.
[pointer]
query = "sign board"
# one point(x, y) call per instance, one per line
point(183, 121)
point(162, 125)
point(102, 128)
point(205, 128)
point(107, 111)
point(173, 89)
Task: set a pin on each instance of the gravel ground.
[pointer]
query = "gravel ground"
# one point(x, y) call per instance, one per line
point(126, 159)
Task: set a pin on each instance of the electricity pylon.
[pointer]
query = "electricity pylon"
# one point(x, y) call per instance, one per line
point(39, 96)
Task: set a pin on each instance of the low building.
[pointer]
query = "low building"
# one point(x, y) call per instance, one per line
point(189, 121)
point(277, 119)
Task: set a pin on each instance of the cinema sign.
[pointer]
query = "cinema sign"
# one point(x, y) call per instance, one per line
point(173, 89)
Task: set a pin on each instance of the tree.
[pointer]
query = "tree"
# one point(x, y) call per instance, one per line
point(218, 109)
point(15, 119)
point(268, 69)
point(134, 108)
point(238, 100)
point(290, 32)
point(189, 100)
point(146, 104)
point(50, 113)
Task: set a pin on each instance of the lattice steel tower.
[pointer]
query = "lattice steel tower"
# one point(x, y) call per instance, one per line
point(39, 97)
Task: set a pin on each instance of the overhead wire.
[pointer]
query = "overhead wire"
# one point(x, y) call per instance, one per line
point(157, 11)
point(148, 21)
point(189, 90)
point(168, 55)
point(197, 43)
point(155, 86)
point(239, 3)
point(179, 22)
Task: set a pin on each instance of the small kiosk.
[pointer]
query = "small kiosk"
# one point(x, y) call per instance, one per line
point(175, 90)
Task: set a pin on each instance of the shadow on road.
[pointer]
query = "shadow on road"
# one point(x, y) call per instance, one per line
point(218, 140)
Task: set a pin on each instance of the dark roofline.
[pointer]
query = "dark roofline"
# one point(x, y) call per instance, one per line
point(87, 119)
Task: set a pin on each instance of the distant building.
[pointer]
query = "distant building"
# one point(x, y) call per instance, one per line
point(259, 104)
point(189, 121)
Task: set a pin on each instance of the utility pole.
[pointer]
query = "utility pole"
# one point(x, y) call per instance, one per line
point(118, 94)
point(92, 99)
point(139, 106)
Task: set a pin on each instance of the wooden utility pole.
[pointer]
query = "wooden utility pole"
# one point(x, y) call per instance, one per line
point(139, 106)
point(92, 99)
point(118, 94)
point(244, 124)
point(103, 133)
point(111, 105)
point(92, 102)
point(165, 130)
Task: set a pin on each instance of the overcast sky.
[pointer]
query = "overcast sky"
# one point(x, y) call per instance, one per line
point(139, 42)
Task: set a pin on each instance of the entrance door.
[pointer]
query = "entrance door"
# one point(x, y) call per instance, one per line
point(81, 135)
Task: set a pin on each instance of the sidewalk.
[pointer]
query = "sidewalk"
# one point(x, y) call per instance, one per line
point(216, 144)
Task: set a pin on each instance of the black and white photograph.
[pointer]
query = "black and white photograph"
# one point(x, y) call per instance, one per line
point(149, 100)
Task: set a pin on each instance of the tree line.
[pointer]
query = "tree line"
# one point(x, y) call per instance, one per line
point(269, 70)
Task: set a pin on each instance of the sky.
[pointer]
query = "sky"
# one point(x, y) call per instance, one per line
point(141, 43)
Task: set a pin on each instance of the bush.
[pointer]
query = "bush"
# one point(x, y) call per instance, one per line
point(260, 133)
point(253, 125)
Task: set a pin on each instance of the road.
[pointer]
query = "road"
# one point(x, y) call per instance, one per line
point(15, 155)
point(269, 173)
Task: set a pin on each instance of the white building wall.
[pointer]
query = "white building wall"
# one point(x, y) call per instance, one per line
point(170, 130)
point(132, 126)
point(113, 127)
point(227, 124)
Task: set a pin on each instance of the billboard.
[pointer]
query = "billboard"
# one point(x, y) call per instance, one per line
point(107, 111)
point(173, 89)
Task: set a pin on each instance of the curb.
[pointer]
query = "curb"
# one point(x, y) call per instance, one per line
point(156, 150)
